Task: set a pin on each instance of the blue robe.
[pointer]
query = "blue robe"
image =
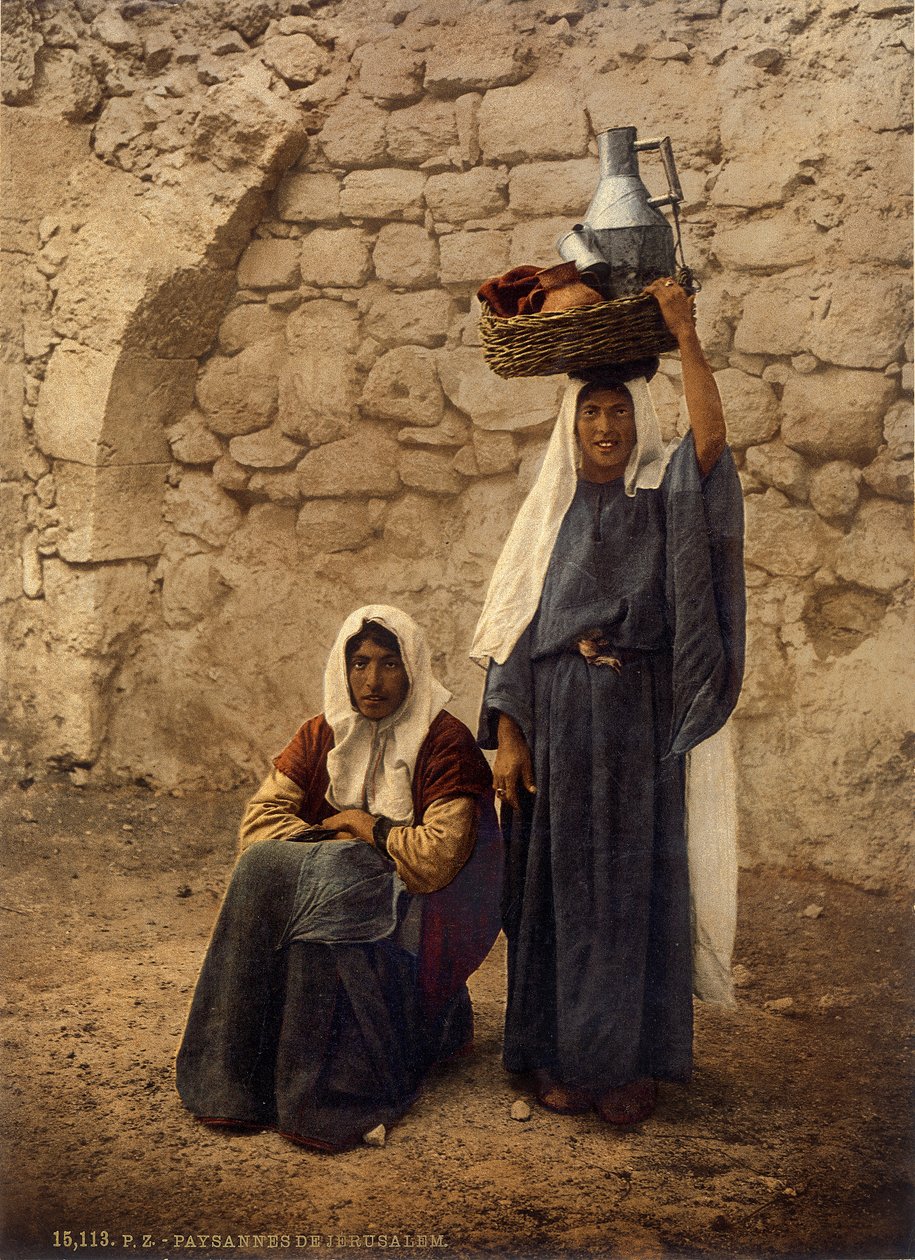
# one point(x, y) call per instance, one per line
point(596, 896)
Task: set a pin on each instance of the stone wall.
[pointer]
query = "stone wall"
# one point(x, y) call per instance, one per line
point(241, 332)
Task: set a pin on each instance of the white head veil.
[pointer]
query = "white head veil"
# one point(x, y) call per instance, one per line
point(517, 581)
point(371, 763)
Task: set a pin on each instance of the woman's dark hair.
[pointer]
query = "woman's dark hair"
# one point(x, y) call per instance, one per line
point(615, 375)
point(374, 632)
point(604, 382)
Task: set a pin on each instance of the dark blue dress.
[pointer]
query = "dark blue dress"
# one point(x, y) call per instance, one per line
point(596, 898)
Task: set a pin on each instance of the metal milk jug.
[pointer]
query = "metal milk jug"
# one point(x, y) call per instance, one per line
point(625, 242)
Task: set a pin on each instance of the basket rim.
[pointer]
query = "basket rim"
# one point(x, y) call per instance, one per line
point(575, 312)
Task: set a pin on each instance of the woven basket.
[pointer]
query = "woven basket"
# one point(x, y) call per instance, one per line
point(566, 341)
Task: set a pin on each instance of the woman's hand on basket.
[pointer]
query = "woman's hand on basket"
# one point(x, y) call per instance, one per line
point(676, 306)
point(513, 763)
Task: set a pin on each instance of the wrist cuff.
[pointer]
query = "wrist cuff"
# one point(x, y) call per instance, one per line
point(380, 831)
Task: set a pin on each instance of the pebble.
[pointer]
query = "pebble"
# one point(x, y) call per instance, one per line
point(781, 1006)
point(376, 1136)
point(813, 911)
point(520, 1110)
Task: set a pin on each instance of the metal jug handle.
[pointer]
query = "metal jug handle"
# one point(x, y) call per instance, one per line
point(674, 191)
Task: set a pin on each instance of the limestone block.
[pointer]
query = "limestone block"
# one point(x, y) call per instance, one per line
point(191, 591)
point(32, 575)
point(493, 403)
point(13, 535)
point(867, 235)
point(472, 195)
point(777, 316)
point(784, 540)
point(12, 430)
point(538, 119)
point(317, 391)
point(268, 448)
point(429, 471)
point(239, 395)
point(420, 318)
point(534, 242)
point(469, 257)
point(884, 92)
point(323, 324)
point(229, 475)
point(111, 29)
point(335, 259)
point(248, 323)
point(494, 452)
point(414, 526)
point(66, 85)
point(422, 133)
point(451, 432)
point(489, 508)
point(771, 244)
point(890, 477)
point(317, 394)
point(242, 124)
point(834, 489)
point(332, 525)
point(357, 466)
point(121, 121)
point(309, 198)
point(112, 513)
point(465, 61)
point(775, 465)
point(103, 409)
point(389, 72)
point(30, 187)
point(387, 194)
point(191, 441)
point(465, 462)
point(543, 188)
point(403, 385)
point(354, 134)
point(279, 487)
point(269, 264)
point(91, 609)
point(877, 552)
point(295, 58)
point(836, 414)
point(866, 323)
point(766, 179)
point(406, 255)
point(750, 407)
point(666, 398)
point(20, 43)
point(157, 51)
point(197, 506)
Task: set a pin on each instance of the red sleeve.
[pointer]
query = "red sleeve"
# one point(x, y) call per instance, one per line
point(449, 764)
point(304, 760)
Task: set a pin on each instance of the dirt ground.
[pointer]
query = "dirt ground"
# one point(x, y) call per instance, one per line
point(793, 1140)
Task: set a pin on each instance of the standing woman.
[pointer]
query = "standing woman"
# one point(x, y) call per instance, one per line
point(613, 628)
point(364, 898)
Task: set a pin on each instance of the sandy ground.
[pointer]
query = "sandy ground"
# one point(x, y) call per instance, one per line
point(792, 1141)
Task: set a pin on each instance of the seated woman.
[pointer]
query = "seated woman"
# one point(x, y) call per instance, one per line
point(336, 974)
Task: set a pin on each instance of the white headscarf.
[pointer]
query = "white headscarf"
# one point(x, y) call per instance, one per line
point(371, 763)
point(517, 581)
